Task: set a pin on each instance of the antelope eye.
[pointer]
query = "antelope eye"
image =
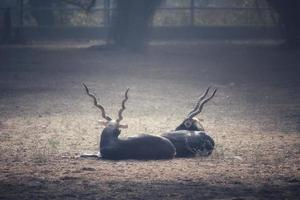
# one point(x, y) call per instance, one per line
point(188, 123)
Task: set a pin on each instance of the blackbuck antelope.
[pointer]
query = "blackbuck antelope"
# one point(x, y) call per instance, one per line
point(143, 146)
point(189, 137)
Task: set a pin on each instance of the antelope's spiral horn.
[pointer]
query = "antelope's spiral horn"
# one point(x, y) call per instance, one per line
point(96, 103)
point(198, 102)
point(120, 116)
point(202, 104)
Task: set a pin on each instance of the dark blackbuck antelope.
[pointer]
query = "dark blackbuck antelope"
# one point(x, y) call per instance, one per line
point(189, 137)
point(143, 146)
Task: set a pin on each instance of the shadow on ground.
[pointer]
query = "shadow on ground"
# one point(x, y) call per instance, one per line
point(76, 188)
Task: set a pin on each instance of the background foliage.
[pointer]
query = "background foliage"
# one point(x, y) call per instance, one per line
point(171, 13)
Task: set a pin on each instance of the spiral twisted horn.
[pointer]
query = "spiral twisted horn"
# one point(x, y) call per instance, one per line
point(199, 101)
point(96, 103)
point(202, 104)
point(120, 116)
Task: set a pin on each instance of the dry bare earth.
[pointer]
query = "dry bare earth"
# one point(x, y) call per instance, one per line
point(46, 120)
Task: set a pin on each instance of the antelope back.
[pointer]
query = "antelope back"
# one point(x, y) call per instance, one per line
point(143, 146)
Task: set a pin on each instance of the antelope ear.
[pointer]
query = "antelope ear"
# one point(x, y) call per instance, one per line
point(199, 119)
point(103, 123)
point(200, 122)
point(123, 126)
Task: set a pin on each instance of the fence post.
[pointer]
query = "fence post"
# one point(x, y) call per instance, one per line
point(21, 13)
point(7, 35)
point(106, 13)
point(192, 11)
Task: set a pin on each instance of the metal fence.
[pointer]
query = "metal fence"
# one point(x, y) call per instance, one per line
point(188, 13)
point(188, 16)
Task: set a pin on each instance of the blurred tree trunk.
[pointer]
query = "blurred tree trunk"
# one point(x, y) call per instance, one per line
point(40, 10)
point(289, 13)
point(131, 22)
point(7, 34)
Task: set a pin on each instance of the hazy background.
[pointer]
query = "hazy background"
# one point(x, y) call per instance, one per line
point(167, 52)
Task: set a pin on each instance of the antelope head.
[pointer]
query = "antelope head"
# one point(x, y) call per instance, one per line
point(191, 122)
point(113, 125)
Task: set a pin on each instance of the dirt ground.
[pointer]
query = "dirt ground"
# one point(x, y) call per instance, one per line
point(46, 120)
